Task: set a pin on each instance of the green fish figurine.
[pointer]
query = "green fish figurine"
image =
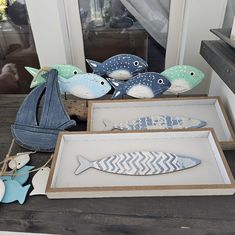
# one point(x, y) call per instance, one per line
point(183, 78)
point(64, 70)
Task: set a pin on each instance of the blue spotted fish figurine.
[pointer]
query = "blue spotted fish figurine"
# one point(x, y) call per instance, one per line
point(14, 192)
point(139, 163)
point(145, 85)
point(155, 122)
point(120, 67)
point(85, 86)
point(183, 78)
point(65, 71)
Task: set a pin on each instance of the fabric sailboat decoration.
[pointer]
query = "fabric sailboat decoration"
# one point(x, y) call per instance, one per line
point(41, 135)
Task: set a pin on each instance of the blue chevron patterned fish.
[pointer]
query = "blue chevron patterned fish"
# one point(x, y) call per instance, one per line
point(145, 85)
point(155, 122)
point(139, 163)
point(120, 67)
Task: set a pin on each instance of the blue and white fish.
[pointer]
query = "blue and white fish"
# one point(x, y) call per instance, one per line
point(21, 175)
point(139, 163)
point(14, 192)
point(85, 86)
point(120, 67)
point(155, 122)
point(2, 189)
point(145, 85)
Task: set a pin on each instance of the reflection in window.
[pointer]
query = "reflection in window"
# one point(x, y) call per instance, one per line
point(137, 27)
point(17, 47)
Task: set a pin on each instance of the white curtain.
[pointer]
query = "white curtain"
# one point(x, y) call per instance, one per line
point(153, 15)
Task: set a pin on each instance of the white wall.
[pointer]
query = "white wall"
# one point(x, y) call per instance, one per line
point(219, 88)
point(200, 16)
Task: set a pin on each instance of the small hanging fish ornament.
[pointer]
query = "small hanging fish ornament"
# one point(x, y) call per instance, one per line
point(139, 163)
point(120, 67)
point(39, 181)
point(20, 160)
point(183, 78)
point(2, 189)
point(145, 85)
point(155, 122)
point(14, 192)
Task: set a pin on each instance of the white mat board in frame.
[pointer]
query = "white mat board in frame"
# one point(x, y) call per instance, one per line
point(208, 109)
point(211, 177)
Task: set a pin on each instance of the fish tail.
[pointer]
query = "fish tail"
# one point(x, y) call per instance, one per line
point(84, 164)
point(37, 78)
point(23, 194)
point(109, 125)
point(119, 88)
point(97, 69)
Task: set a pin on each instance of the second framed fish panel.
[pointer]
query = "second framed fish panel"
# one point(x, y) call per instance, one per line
point(162, 114)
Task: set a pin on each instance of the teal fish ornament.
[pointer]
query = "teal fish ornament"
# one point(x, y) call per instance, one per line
point(14, 192)
point(21, 176)
point(64, 70)
point(183, 78)
point(2, 189)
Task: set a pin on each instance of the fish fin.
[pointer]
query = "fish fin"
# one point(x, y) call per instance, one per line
point(31, 70)
point(36, 192)
point(84, 164)
point(95, 66)
point(37, 77)
point(108, 125)
point(23, 194)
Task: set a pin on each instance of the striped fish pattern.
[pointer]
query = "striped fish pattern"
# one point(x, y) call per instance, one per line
point(139, 163)
point(156, 122)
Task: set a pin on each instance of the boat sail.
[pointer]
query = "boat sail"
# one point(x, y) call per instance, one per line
point(41, 135)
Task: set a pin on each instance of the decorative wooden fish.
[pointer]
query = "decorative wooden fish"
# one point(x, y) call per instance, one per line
point(20, 160)
point(2, 189)
point(139, 163)
point(65, 71)
point(145, 85)
point(120, 67)
point(14, 192)
point(85, 86)
point(155, 122)
point(39, 181)
point(21, 175)
point(183, 78)
point(41, 135)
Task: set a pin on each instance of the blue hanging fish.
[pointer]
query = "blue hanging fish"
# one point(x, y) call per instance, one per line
point(120, 67)
point(14, 192)
point(85, 86)
point(21, 176)
point(145, 85)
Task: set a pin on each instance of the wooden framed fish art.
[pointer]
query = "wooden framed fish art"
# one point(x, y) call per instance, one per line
point(134, 163)
point(162, 114)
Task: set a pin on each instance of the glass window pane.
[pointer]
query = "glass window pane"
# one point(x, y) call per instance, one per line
point(136, 27)
point(17, 48)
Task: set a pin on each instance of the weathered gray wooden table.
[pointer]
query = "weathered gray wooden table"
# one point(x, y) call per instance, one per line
point(166, 215)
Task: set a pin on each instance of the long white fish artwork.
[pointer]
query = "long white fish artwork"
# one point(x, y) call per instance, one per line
point(155, 122)
point(139, 163)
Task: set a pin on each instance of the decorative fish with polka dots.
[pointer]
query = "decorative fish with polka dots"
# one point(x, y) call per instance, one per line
point(65, 71)
point(145, 85)
point(155, 122)
point(183, 78)
point(120, 67)
point(139, 163)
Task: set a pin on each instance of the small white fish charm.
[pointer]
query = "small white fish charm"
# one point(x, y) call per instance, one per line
point(39, 181)
point(2, 189)
point(20, 160)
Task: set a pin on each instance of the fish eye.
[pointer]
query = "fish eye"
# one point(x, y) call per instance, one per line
point(160, 81)
point(102, 83)
point(136, 63)
point(192, 73)
point(75, 72)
